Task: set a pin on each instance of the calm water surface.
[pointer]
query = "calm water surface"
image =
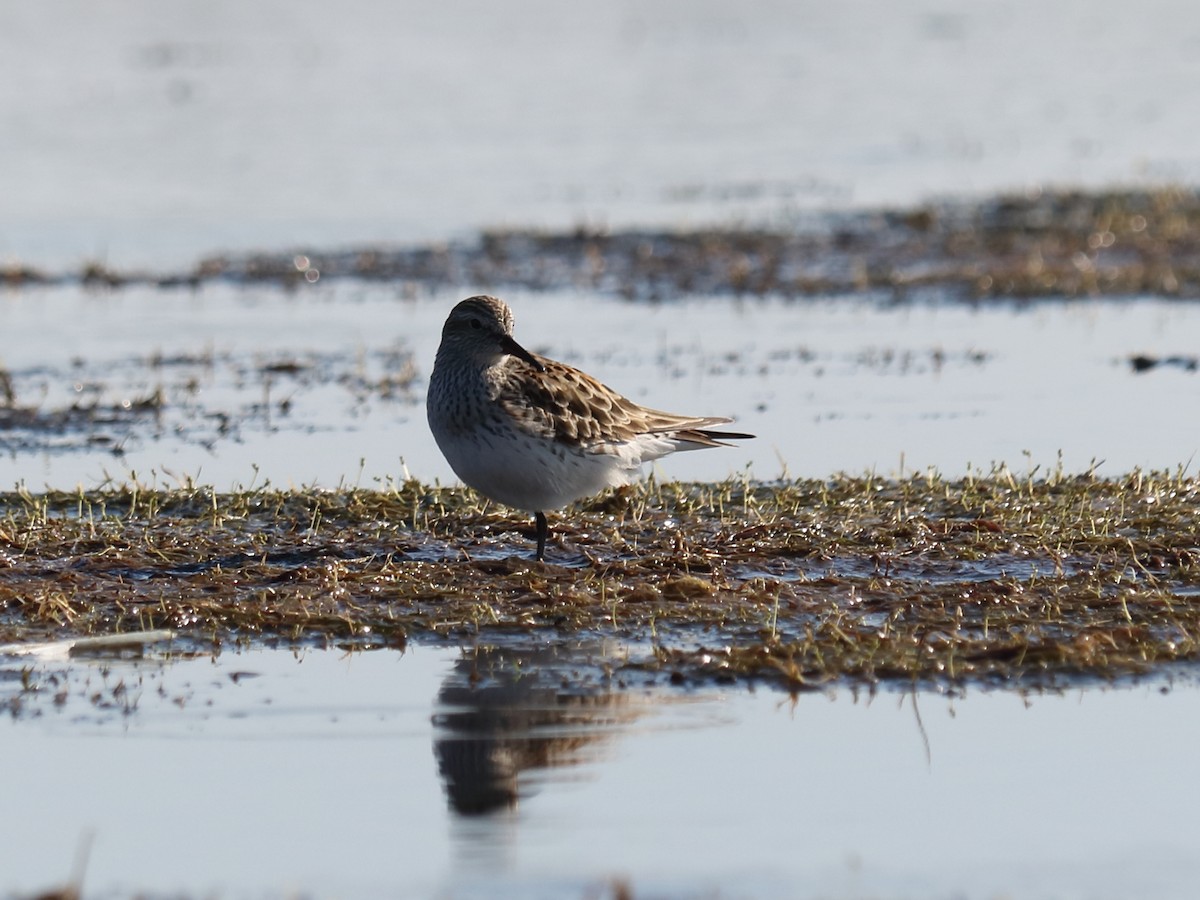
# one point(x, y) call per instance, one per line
point(432, 774)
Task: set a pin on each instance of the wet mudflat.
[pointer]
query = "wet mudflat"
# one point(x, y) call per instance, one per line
point(999, 579)
point(697, 661)
point(230, 554)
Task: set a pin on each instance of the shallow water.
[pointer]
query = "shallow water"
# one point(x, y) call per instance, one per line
point(265, 772)
point(326, 385)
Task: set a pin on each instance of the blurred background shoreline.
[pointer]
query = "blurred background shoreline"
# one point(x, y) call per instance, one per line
point(142, 135)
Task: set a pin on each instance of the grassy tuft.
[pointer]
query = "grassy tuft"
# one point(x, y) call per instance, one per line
point(990, 579)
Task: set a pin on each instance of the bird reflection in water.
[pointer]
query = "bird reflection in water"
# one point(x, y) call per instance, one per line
point(503, 712)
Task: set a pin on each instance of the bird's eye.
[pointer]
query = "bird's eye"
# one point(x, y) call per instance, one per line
point(476, 324)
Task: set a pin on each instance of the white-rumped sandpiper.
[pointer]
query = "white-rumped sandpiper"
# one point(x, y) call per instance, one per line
point(536, 434)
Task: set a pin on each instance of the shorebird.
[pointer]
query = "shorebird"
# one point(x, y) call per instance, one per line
point(536, 434)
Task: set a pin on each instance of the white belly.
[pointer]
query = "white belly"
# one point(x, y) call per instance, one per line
point(528, 473)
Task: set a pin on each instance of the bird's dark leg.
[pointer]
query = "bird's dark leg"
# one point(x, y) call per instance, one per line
point(543, 529)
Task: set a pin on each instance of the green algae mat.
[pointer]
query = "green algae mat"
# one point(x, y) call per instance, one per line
point(995, 579)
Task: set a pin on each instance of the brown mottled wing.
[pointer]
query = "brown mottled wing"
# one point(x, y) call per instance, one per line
point(568, 405)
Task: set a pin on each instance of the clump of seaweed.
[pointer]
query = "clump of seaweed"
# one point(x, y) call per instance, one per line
point(991, 579)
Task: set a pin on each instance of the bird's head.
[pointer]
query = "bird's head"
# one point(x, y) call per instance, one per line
point(480, 329)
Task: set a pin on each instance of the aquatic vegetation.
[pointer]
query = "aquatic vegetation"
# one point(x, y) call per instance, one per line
point(993, 578)
point(118, 404)
point(1041, 244)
